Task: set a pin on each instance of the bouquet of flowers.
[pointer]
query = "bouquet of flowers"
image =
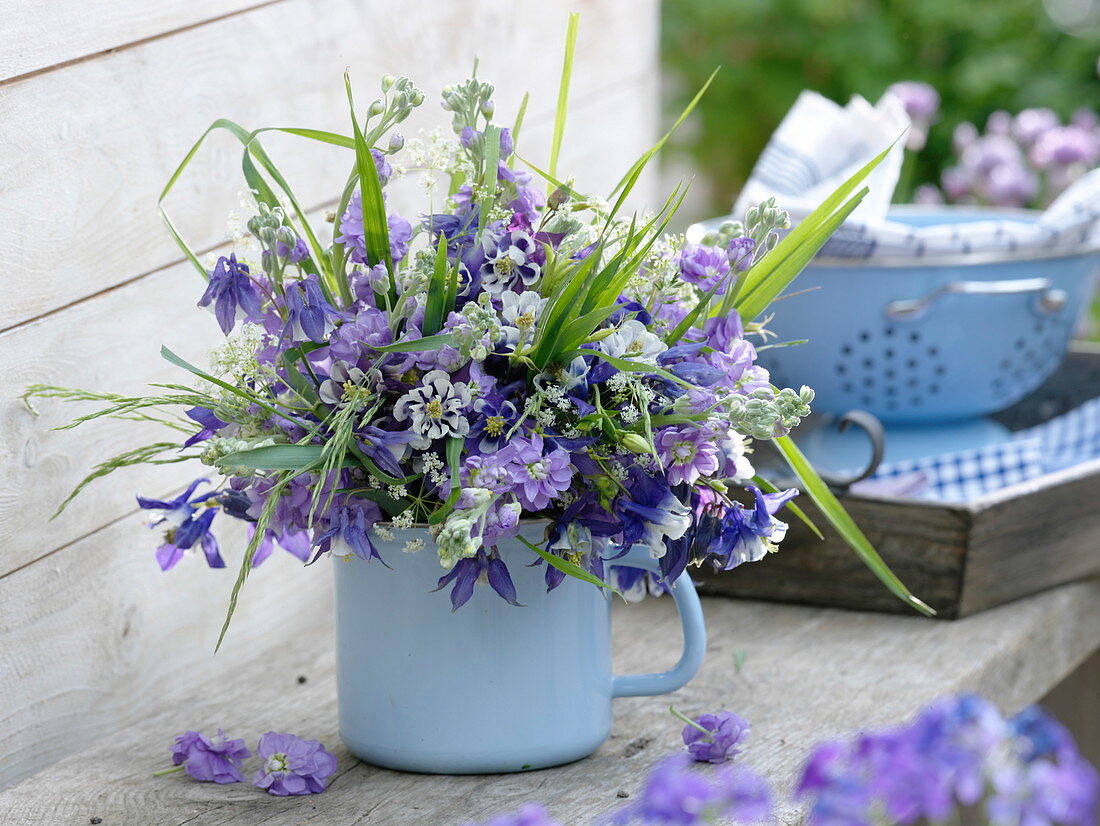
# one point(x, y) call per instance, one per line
point(520, 350)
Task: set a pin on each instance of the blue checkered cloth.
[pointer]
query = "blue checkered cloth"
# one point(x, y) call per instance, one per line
point(1067, 440)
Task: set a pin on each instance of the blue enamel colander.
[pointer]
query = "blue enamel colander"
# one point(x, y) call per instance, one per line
point(921, 341)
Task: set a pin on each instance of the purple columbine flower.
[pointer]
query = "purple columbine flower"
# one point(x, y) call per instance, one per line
point(539, 476)
point(715, 738)
point(435, 409)
point(348, 532)
point(210, 424)
point(292, 766)
point(182, 528)
point(232, 292)
point(466, 573)
point(529, 815)
point(309, 315)
point(747, 534)
point(215, 760)
point(688, 452)
point(704, 266)
point(293, 542)
point(510, 262)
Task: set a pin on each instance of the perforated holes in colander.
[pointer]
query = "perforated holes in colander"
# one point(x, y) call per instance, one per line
point(890, 369)
point(1036, 352)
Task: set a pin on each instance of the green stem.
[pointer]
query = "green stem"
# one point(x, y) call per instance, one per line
point(172, 770)
point(690, 722)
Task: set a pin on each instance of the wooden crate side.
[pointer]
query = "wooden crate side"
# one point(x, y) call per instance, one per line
point(1034, 536)
point(924, 544)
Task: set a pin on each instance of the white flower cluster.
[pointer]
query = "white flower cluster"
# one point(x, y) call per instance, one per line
point(235, 358)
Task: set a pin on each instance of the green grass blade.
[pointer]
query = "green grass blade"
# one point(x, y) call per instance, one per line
point(169, 356)
point(489, 174)
point(278, 457)
point(757, 299)
point(417, 345)
point(454, 458)
point(569, 569)
point(436, 307)
point(834, 512)
point(376, 228)
point(631, 177)
point(519, 118)
point(563, 90)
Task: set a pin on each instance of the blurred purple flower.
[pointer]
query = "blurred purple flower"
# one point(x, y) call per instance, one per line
point(292, 766)
point(529, 815)
point(1030, 124)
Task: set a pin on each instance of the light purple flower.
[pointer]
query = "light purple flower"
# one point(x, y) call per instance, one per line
point(1030, 124)
point(704, 266)
point(725, 732)
point(348, 531)
point(1009, 185)
point(216, 760)
point(688, 453)
point(1064, 146)
point(740, 251)
point(232, 292)
point(292, 766)
point(538, 477)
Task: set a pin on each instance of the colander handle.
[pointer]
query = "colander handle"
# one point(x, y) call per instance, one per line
point(1049, 301)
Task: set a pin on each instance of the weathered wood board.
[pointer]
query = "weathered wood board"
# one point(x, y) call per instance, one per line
point(806, 674)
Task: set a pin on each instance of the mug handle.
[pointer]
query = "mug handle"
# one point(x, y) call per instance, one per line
point(695, 635)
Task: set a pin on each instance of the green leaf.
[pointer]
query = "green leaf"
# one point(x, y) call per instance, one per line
point(278, 457)
point(568, 568)
point(454, 454)
point(833, 511)
point(375, 225)
point(435, 308)
point(629, 366)
point(768, 487)
point(491, 137)
point(519, 118)
point(418, 345)
point(563, 90)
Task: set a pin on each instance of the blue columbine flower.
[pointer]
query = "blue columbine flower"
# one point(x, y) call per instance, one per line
point(210, 423)
point(232, 291)
point(348, 534)
point(184, 529)
point(309, 315)
point(466, 573)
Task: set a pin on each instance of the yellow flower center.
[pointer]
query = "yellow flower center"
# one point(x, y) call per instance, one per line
point(435, 409)
point(494, 425)
point(504, 265)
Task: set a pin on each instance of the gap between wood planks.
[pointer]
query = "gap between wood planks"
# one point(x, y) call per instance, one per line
point(133, 43)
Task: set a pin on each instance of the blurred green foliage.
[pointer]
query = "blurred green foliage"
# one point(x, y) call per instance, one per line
point(980, 55)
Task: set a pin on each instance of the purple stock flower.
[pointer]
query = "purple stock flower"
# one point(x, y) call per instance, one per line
point(292, 766)
point(1030, 124)
point(920, 100)
point(1065, 146)
point(182, 528)
point(716, 738)
point(539, 476)
point(740, 251)
point(529, 815)
point(706, 267)
point(369, 329)
point(232, 292)
point(309, 315)
point(216, 760)
point(295, 543)
point(688, 452)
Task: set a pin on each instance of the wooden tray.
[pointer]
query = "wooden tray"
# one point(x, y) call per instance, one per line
point(959, 558)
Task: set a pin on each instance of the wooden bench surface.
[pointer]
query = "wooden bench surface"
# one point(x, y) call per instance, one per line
point(799, 674)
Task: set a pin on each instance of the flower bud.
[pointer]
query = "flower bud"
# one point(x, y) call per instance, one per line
point(397, 140)
point(376, 108)
point(636, 443)
point(487, 108)
point(387, 82)
point(286, 236)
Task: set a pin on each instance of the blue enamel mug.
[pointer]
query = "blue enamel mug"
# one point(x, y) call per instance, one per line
point(490, 687)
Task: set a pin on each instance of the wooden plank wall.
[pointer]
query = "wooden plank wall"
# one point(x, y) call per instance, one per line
point(93, 118)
